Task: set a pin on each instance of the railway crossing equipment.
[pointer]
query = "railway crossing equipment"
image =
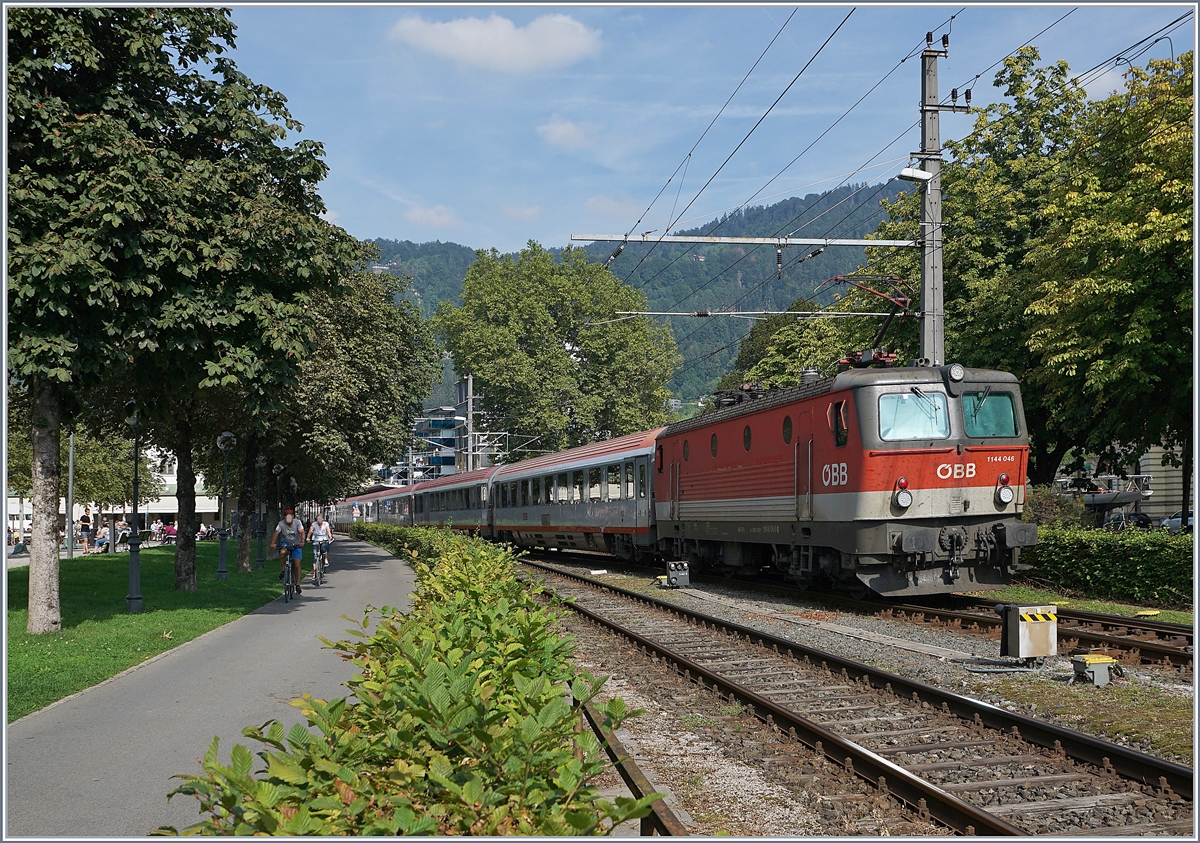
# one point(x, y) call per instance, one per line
point(1094, 668)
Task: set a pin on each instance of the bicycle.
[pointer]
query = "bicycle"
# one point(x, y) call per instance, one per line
point(320, 563)
point(289, 576)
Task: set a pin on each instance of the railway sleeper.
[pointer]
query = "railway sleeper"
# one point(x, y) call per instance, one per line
point(1054, 778)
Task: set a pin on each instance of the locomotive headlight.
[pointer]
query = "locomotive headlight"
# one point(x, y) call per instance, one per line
point(1005, 494)
point(957, 372)
point(904, 499)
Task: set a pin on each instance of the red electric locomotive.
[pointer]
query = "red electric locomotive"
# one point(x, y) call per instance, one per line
point(899, 480)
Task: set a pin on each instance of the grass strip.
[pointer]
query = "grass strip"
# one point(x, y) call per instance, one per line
point(99, 639)
point(1027, 595)
point(1146, 715)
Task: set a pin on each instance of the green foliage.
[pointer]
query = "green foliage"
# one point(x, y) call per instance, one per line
point(1134, 565)
point(1114, 306)
point(99, 638)
point(436, 269)
point(1045, 506)
point(103, 462)
point(463, 723)
point(527, 330)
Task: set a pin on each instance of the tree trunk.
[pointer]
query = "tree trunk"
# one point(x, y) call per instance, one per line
point(185, 496)
point(45, 612)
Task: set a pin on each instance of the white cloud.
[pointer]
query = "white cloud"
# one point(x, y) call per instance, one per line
point(439, 216)
point(608, 206)
point(516, 212)
point(564, 133)
point(330, 216)
point(547, 43)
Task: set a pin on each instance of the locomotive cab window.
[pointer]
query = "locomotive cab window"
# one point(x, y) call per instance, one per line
point(988, 414)
point(917, 414)
point(837, 423)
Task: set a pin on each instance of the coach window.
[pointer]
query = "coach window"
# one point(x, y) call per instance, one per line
point(577, 486)
point(746, 438)
point(535, 491)
point(503, 503)
point(641, 480)
point(614, 482)
point(713, 445)
point(563, 488)
point(787, 430)
point(594, 484)
point(687, 451)
point(628, 481)
point(514, 494)
point(524, 492)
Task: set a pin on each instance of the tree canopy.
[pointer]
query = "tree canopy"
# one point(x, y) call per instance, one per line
point(549, 355)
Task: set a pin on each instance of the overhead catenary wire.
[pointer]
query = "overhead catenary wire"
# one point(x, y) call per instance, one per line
point(1081, 79)
point(877, 260)
point(753, 128)
point(739, 207)
point(712, 122)
point(864, 166)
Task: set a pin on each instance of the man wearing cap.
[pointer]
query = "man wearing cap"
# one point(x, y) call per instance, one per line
point(289, 535)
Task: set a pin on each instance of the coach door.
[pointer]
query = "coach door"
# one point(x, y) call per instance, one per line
point(802, 446)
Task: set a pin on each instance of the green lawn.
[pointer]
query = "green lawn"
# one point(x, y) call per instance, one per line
point(1028, 595)
point(99, 639)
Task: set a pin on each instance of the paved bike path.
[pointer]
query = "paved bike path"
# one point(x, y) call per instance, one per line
point(101, 764)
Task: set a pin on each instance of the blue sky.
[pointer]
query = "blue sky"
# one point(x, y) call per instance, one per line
point(494, 125)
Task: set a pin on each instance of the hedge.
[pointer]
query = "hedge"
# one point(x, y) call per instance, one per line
point(1130, 565)
point(464, 720)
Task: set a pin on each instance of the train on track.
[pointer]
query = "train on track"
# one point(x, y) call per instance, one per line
point(901, 481)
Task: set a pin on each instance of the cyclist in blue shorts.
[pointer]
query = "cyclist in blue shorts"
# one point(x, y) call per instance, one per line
point(289, 535)
point(320, 533)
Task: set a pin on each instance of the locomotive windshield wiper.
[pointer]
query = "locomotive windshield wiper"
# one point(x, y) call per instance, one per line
point(933, 405)
point(986, 392)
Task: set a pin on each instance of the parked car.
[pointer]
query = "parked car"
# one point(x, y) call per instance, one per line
point(1128, 521)
point(1175, 522)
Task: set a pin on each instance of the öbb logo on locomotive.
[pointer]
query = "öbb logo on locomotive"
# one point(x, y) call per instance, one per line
point(847, 481)
point(958, 471)
point(835, 474)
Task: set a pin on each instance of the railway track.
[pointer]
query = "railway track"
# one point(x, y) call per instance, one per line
point(1143, 640)
point(971, 766)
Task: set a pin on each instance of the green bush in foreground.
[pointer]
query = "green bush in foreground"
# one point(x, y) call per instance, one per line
point(463, 724)
point(1132, 565)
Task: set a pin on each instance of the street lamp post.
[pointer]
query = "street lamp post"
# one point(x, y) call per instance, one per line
point(260, 463)
point(133, 600)
point(277, 470)
point(225, 441)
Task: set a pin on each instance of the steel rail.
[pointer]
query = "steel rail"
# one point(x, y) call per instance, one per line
point(1122, 761)
point(927, 799)
point(1154, 652)
point(661, 819)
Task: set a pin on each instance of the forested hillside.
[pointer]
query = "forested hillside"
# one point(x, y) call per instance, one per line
point(689, 278)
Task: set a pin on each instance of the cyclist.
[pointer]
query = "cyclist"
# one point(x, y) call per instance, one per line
point(289, 535)
point(320, 533)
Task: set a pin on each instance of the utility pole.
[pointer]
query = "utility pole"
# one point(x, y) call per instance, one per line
point(933, 316)
point(470, 422)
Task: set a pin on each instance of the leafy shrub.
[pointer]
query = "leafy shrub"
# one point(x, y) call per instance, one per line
point(1132, 565)
point(1047, 507)
point(462, 724)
